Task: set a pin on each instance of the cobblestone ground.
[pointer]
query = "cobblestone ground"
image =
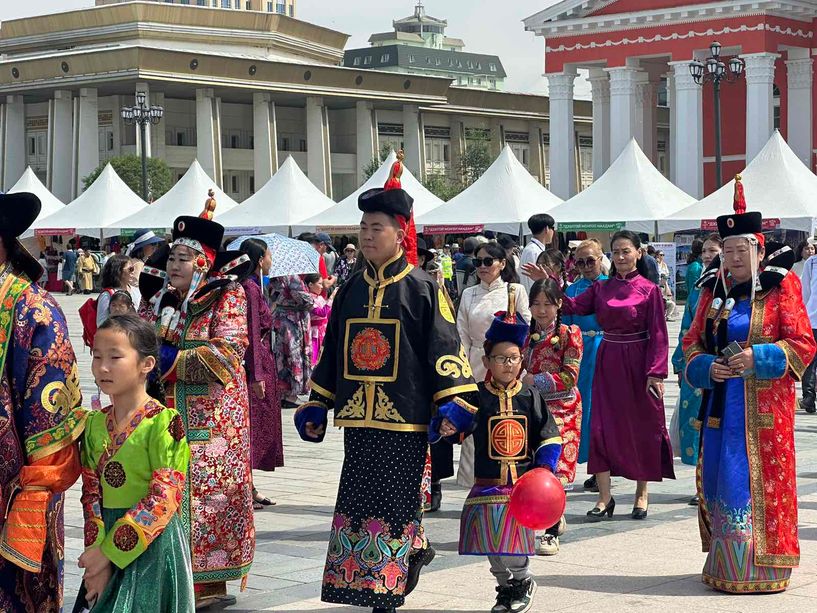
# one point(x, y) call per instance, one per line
point(617, 565)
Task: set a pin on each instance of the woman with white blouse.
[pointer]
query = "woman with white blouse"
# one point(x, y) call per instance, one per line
point(478, 305)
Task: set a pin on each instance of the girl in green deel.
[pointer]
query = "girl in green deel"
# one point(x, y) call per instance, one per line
point(134, 462)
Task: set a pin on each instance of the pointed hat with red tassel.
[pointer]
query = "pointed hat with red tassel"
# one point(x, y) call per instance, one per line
point(393, 200)
point(740, 223)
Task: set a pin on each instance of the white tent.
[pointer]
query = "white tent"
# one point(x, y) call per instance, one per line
point(776, 183)
point(105, 201)
point(187, 197)
point(30, 183)
point(631, 192)
point(286, 199)
point(345, 216)
point(502, 200)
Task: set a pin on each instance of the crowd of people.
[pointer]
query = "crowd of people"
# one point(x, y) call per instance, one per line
point(534, 361)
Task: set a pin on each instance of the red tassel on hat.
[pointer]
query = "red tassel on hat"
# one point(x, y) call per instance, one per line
point(409, 243)
point(740, 197)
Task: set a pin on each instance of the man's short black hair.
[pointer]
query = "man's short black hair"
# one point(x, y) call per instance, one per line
point(540, 222)
point(650, 250)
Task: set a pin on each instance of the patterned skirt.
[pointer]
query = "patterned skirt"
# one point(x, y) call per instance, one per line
point(487, 527)
point(377, 519)
point(165, 566)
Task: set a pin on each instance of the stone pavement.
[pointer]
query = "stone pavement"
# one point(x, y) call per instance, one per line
point(618, 565)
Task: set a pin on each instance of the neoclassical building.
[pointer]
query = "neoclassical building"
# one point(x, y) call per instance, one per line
point(241, 91)
point(636, 48)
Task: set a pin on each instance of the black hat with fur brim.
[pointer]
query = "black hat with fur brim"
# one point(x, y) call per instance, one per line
point(17, 212)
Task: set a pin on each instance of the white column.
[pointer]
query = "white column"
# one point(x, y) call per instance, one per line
point(265, 139)
point(86, 143)
point(145, 89)
point(800, 119)
point(562, 134)
point(759, 101)
point(413, 140)
point(14, 140)
point(622, 107)
point(318, 160)
point(672, 118)
point(208, 134)
point(646, 116)
point(366, 133)
point(60, 143)
point(687, 156)
point(600, 83)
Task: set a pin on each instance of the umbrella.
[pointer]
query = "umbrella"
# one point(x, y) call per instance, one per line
point(289, 256)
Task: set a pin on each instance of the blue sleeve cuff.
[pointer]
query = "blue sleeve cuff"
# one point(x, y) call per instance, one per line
point(770, 361)
point(548, 453)
point(544, 382)
point(167, 357)
point(678, 357)
point(698, 372)
point(459, 413)
point(311, 412)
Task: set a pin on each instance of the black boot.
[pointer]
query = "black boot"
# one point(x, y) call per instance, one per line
point(384, 610)
point(417, 560)
point(436, 497)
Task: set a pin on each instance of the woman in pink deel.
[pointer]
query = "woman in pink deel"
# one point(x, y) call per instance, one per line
point(319, 315)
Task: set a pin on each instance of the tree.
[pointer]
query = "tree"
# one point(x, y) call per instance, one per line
point(475, 159)
point(442, 187)
point(376, 162)
point(129, 169)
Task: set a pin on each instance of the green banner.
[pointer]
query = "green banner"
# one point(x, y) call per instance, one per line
point(126, 234)
point(590, 226)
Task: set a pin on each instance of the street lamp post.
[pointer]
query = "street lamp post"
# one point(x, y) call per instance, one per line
point(715, 69)
point(142, 115)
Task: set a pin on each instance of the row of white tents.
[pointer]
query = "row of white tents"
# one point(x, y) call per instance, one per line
point(632, 193)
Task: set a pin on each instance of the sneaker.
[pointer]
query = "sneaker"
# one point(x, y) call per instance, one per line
point(562, 526)
point(503, 599)
point(547, 545)
point(522, 595)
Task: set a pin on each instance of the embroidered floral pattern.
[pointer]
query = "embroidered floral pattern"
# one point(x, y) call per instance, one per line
point(370, 350)
point(91, 533)
point(125, 538)
point(176, 428)
point(114, 474)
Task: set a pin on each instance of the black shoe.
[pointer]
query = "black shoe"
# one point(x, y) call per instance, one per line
point(808, 405)
point(503, 599)
point(639, 513)
point(384, 610)
point(436, 497)
point(591, 485)
point(416, 562)
point(596, 514)
point(694, 501)
point(522, 595)
point(288, 404)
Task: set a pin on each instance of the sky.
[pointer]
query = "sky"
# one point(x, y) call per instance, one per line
point(486, 26)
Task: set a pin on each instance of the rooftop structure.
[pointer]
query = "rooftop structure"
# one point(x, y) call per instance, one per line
point(418, 45)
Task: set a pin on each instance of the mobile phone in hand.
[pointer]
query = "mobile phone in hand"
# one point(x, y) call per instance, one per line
point(654, 392)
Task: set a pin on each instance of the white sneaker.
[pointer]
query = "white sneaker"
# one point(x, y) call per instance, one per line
point(562, 526)
point(522, 595)
point(547, 545)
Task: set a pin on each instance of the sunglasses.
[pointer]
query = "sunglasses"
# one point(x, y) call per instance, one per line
point(586, 262)
point(486, 262)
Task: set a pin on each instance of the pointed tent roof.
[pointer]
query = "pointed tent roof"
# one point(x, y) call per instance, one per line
point(187, 197)
point(776, 183)
point(105, 201)
point(504, 197)
point(286, 199)
point(345, 216)
point(30, 183)
point(632, 191)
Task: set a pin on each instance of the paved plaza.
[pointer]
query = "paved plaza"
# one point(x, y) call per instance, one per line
point(618, 565)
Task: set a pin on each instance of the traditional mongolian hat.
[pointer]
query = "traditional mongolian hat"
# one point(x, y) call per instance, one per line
point(394, 201)
point(17, 212)
point(509, 326)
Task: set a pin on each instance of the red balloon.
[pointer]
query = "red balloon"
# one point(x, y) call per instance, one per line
point(538, 499)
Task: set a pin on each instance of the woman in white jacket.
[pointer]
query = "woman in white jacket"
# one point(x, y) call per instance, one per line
point(478, 305)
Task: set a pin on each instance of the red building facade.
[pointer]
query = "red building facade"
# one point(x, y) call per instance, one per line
point(636, 48)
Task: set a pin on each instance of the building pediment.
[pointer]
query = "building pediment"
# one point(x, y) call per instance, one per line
point(572, 17)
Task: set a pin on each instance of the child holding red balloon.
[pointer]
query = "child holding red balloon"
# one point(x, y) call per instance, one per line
point(517, 445)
